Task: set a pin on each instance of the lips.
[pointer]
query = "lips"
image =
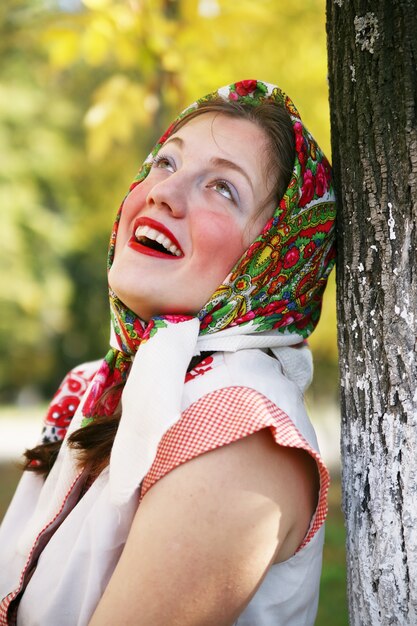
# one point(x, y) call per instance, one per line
point(154, 239)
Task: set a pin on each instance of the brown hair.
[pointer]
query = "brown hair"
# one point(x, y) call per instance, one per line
point(93, 443)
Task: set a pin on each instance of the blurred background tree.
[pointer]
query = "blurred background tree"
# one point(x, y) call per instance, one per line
point(85, 88)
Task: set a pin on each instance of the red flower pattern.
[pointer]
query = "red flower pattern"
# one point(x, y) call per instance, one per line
point(245, 87)
point(299, 139)
point(273, 308)
point(176, 319)
point(292, 257)
point(290, 318)
point(309, 249)
point(200, 369)
point(321, 181)
point(250, 315)
point(206, 321)
point(307, 190)
point(60, 413)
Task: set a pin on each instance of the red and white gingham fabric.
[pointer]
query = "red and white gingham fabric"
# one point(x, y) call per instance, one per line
point(224, 416)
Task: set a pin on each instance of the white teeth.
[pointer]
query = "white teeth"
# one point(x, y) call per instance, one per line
point(155, 235)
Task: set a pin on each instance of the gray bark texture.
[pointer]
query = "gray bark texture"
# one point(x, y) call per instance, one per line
point(372, 48)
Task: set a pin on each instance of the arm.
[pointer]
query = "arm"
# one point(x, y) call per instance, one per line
point(206, 533)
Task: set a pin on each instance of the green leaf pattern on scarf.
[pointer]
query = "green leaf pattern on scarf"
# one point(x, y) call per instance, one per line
point(279, 281)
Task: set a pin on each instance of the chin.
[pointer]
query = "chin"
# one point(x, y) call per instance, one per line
point(131, 303)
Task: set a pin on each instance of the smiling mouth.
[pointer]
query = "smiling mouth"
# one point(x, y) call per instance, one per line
point(155, 240)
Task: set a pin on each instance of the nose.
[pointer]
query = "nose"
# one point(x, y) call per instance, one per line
point(169, 195)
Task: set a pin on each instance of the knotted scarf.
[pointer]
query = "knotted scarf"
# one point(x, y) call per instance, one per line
point(271, 298)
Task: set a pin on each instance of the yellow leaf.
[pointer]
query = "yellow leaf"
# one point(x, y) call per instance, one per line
point(121, 105)
point(96, 42)
point(62, 46)
point(172, 61)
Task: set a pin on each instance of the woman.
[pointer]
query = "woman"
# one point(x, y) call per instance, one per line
point(189, 488)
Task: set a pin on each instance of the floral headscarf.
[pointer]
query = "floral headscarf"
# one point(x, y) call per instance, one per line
point(277, 284)
point(271, 299)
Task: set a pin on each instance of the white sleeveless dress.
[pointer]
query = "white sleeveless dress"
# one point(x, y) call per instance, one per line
point(62, 578)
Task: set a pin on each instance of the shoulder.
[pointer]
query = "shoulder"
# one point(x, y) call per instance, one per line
point(209, 530)
point(239, 425)
point(251, 480)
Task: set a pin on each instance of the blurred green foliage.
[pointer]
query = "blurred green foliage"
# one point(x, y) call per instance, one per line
point(333, 600)
point(85, 89)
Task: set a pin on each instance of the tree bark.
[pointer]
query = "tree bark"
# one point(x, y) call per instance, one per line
point(372, 48)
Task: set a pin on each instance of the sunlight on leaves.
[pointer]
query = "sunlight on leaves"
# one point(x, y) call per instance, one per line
point(62, 46)
point(119, 107)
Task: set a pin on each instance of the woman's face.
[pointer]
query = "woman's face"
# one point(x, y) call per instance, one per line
point(184, 227)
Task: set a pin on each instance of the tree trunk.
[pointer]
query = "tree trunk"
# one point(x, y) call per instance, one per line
point(372, 48)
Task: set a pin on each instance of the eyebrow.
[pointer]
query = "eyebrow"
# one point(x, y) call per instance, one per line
point(172, 139)
point(217, 161)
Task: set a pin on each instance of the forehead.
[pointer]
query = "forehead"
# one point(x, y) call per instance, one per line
point(232, 137)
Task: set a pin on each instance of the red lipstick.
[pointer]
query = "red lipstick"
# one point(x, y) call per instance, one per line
point(151, 223)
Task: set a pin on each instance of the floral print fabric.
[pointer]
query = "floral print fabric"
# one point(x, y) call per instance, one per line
point(278, 282)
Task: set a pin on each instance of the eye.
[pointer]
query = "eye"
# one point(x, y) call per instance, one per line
point(224, 189)
point(163, 162)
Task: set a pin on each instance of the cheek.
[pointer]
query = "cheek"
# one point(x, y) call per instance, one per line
point(131, 206)
point(219, 242)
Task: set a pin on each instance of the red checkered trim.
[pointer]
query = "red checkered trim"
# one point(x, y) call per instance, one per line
point(226, 415)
